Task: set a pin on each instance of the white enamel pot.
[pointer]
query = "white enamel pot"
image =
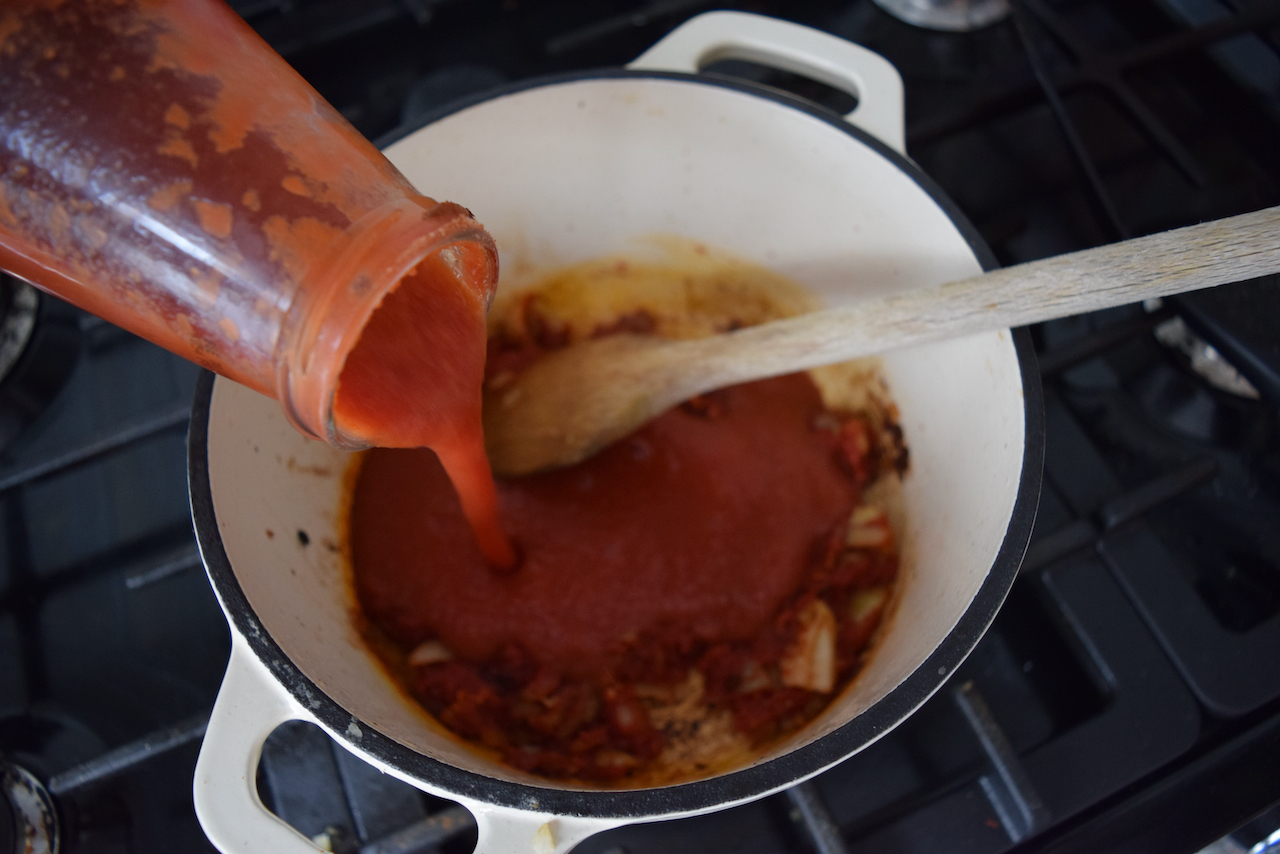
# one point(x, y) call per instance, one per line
point(575, 167)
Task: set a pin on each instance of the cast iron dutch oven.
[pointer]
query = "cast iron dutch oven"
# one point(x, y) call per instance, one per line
point(574, 167)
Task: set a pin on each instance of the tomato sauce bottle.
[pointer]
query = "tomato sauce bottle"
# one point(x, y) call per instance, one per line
point(163, 168)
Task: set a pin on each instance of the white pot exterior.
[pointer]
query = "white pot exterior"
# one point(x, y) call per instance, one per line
point(559, 173)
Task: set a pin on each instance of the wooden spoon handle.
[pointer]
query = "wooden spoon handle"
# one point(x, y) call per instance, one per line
point(1186, 259)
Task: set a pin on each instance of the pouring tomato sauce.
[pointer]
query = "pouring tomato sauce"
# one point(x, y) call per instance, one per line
point(414, 380)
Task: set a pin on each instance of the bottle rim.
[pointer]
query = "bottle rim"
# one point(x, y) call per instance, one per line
point(338, 297)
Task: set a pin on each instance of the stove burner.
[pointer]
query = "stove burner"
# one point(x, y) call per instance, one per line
point(19, 302)
point(32, 821)
point(39, 345)
point(951, 15)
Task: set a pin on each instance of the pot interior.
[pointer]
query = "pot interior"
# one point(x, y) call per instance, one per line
point(579, 169)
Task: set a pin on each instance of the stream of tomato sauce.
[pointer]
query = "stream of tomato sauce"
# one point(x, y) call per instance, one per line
point(414, 379)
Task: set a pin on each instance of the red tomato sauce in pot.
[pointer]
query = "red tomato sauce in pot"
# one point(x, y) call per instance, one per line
point(661, 611)
point(703, 521)
point(712, 540)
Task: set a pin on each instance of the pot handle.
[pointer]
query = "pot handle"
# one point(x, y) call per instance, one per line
point(250, 705)
point(828, 59)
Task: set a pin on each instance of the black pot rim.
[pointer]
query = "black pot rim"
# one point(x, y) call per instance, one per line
point(733, 787)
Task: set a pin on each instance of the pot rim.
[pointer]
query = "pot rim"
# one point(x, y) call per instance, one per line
point(699, 795)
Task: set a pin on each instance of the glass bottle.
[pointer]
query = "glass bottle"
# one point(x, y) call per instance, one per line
point(163, 168)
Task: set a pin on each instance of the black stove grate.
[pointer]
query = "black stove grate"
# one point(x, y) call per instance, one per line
point(1127, 694)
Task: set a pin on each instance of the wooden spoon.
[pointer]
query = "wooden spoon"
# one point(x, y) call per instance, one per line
point(575, 401)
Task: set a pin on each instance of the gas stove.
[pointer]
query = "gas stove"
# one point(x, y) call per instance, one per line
point(1127, 696)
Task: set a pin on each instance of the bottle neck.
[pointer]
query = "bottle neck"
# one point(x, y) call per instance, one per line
point(331, 310)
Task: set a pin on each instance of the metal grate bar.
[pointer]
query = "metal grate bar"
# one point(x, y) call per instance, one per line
point(1132, 504)
point(816, 819)
point(1119, 510)
point(1068, 356)
point(1099, 191)
point(1020, 96)
point(170, 565)
point(1010, 791)
point(96, 448)
point(122, 759)
point(635, 19)
point(1101, 70)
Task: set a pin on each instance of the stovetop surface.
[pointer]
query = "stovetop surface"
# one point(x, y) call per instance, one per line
point(1127, 694)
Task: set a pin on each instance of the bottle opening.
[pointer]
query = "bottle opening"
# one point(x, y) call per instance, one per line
point(413, 377)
